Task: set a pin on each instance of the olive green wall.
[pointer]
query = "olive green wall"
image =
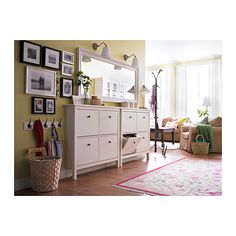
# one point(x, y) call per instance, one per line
point(25, 139)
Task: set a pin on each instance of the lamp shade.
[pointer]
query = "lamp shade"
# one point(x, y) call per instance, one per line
point(206, 102)
point(106, 52)
point(132, 90)
point(144, 90)
point(135, 63)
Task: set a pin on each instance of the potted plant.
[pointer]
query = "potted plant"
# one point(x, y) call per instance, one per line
point(85, 81)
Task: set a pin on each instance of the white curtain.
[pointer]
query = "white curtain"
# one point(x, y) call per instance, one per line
point(166, 91)
point(194, 81)
point(181, 91)
point(215, 88)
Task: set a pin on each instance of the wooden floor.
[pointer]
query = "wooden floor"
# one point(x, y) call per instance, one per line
point(99, 183)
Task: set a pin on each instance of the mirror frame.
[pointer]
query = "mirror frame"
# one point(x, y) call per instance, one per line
point(81, 52)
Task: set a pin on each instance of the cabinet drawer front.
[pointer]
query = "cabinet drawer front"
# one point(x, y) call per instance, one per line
point(143, 121)
point(129, 122)
point(108, 122)
point(108, 147)
point(86, 150)
point(86, 122)
point(144, 143)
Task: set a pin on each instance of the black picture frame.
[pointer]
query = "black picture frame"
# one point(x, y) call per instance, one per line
point(50, 106)
point(51, 58)
point(30, 53)
point(37, 105)
point(66, 87)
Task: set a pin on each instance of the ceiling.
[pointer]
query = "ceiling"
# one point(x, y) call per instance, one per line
point(173, 51)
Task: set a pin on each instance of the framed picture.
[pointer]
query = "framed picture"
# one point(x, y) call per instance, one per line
point(51, 58)
point(66, 87)
point(30, 53)
point(37, 105)
point(67, 69)
point(68, 57)
point(50, 106)
point(40, 82)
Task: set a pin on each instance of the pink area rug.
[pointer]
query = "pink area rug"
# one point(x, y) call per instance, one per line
point(184, 177)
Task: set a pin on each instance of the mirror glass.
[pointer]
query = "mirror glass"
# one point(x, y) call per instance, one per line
point(111, 80)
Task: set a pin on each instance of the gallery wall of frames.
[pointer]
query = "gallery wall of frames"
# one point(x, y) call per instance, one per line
point(47, 74)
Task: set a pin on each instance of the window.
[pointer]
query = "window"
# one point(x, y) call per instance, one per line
point(193, 83)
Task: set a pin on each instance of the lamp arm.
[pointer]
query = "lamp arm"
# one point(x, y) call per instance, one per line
point(102, 44)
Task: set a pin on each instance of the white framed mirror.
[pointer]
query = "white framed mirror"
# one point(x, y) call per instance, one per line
point(111, 80)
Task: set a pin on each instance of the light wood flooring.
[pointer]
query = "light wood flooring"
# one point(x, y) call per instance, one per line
point(99, 183)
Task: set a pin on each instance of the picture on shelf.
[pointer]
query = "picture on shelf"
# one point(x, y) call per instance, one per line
point(66, 87)
point(51, 58)
point(37, 105)
point(67, 69)
point(40, 82)
point(50, 106)
point(68, 57)
point(30, 52)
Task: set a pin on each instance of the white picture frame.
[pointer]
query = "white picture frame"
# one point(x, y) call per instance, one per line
point(40, 82)
point(68, 57)
point(67, 70)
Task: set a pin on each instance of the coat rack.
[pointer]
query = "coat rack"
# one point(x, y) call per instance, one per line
point(47, 124)
point(155, 108)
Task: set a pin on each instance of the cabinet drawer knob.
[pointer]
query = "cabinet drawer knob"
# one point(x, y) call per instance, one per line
point(130, 117)
point(143, 137)
point(109, 141)
point(143, 117)
point(134, 142)
point(109, 116)
point(88, 116)
point(89, 144)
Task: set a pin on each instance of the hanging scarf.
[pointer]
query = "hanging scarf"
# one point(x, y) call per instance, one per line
point(38, 130)
point(153, 99)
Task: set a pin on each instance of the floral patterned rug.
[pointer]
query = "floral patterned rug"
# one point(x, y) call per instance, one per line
point(184, 177)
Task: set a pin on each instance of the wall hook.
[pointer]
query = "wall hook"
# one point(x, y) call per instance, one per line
point(60, 124)
point(53, 122)
point(46, 123)
point(29, 124)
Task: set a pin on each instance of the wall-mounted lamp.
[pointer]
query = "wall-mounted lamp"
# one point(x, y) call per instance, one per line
point(134, 62)
point(105, 50)
point(144, 89)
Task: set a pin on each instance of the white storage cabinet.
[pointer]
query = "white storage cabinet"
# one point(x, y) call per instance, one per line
point(92, 136)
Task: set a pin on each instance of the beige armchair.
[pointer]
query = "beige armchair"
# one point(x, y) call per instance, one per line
point(189, 133)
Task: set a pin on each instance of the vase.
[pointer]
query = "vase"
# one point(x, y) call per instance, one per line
point(86, 99)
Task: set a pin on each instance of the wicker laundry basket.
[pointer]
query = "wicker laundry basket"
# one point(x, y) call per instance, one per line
point(45, 170)
point(200, 147)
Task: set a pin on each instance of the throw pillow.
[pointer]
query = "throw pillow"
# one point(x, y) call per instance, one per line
point(182, 121)
point(173, 124)
point(216, 122)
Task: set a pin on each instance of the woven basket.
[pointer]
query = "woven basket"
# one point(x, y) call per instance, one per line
point(200, 147)
point(45, 171)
